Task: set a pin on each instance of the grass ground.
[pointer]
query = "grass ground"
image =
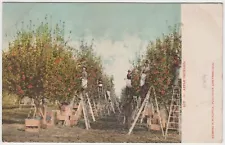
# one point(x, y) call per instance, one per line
point(106, 129)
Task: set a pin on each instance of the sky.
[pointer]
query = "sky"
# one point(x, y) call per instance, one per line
point(121, 31)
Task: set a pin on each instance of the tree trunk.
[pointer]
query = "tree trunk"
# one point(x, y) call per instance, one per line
point(128, 114)
point(35, 110)
point(43, 111)
point(167, 111)
point(20, 104)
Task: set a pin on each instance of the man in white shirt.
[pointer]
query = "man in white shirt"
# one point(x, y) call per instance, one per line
point(143, 85)
point(143, 78)
point(84, 79)
point(100, 85)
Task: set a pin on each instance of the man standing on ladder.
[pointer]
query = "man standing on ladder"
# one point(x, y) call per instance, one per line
point(176, 70)
point(84, 79)
point(128, 84)
point(84, 97)
point(127, 106)
point(84, 82)
point(100, 87)
point(143, 84)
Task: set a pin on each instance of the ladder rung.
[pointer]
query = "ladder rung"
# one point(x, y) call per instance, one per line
point(174, 117)
point(176, 90)
point(173, 128)
point(177, 106)
point(173, 122)
point(176, 99)
point(175, 110)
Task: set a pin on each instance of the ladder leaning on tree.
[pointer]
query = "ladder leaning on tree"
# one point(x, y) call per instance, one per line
point(174, 118)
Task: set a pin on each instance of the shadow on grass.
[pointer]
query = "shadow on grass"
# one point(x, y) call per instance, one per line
point(112, 123)
point(10, 107)
point(15, 106)
point(108, 123)
point(15, 115)
point(7, 121)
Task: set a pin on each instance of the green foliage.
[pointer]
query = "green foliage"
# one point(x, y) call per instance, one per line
point(39, 64)
point(164, 56)
point(9, 99)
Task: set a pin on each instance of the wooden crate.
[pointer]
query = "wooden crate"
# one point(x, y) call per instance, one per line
point(63, 113)
point(61, 117)
point(56, 111)
point(148, 122)
point(74, 117)
point(73, 122)
point(148, 112)
point(155, 127)
point(75, 106)
point(32, 125)
point(73, 112)
point(155, 121)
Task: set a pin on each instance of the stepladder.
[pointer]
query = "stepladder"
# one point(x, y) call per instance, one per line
point(174, 118)
point(78, 112)
point(85, 111)
point(101, 105)
point(151, 95)
point(91, 106)
point(95, 108)
point(153, 114)
point(137, 105)
point(109, 102)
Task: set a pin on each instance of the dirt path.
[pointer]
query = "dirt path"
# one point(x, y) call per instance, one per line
point(107, 129)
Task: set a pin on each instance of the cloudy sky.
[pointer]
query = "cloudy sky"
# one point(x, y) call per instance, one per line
point(121, 31)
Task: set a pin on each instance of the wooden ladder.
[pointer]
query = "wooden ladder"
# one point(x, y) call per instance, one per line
point(111, 105)
point(144, 103)
point(90, 107)
point(85, 112)
point(174, 118)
